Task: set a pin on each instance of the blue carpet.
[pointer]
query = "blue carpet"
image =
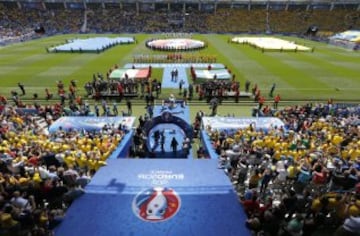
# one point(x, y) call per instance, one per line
point(166, 79)
point(200, 201)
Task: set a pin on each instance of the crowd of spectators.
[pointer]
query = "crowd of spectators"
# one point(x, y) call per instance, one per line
point(10, 36)
point(42, 173)
point(295, 179)
point(13, 31)
point(291, 179)
point(57, 19)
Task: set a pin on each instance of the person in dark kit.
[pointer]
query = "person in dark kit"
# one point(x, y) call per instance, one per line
point(15, 97)
point(62, 98)
point(97, 110)
point(156, 136)
point(214, 102)
point(152, 99)
point(147, 99)
point(162, 141)
point(254, 89)
point(185, 94)
point(150, 110)
point(176, 74)
point(271, 94)
point(247, 86)
point(48, 94)
point(191, 91)
point(181, 85)
point(174, 144)
point(103, 105)
point(115, 109)
point(157, 89)
point(141, 121)
point(22, 88)
point(129, 106)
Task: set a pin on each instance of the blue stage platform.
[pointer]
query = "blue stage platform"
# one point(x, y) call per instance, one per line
point(90, 123)
point(157, 197)
point(230, 125)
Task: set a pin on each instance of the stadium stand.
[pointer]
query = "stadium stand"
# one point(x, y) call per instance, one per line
point(41, 173)
point(291, 173)
point(291, 180)
point(227, 18)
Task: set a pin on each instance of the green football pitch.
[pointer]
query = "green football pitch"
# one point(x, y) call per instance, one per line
point(328, 72)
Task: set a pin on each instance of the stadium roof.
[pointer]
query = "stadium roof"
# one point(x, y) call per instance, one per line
point(355, 3)
point(201, 1)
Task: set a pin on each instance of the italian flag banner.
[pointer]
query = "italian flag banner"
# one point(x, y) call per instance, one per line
point(130, 73)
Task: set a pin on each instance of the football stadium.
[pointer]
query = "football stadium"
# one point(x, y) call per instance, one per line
point(177, 118)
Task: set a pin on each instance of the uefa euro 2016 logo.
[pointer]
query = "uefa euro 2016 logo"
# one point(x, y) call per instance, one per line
point(156, 204)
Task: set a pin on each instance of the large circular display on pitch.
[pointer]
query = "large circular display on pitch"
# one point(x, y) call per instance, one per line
point(175, 44)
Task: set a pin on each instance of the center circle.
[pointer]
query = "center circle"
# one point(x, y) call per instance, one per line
point(178, 44)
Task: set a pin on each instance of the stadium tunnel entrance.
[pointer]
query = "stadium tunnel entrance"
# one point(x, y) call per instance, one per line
point(162, 130)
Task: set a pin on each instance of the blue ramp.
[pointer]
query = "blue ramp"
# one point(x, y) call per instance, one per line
point(157, 197)
point(166, 79)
